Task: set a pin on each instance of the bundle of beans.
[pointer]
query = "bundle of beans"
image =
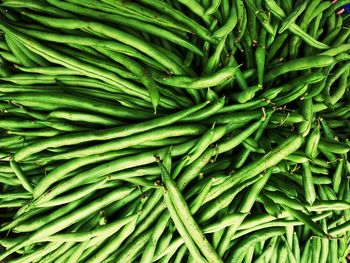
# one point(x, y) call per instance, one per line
point(174, 131)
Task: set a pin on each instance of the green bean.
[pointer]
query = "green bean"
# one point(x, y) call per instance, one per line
point(332, 35)
point(77, 116)
point(242, 19)
point(190, 224)
point(293, 16)
point(215, 79)
point(198, 201)
point(65, 127)
point(283, 199)
point(130, 22)
point(13, 204)
point(276, 45)
point(340, 229)
point(36, 6)
point(17, 52)
point(307, 112)
point(341, 38)
point(315, 249)
point(279, 184)
point(282, 252)
point(319, 10)
point(21, 176)
point(110, 167)
point(63, 79)
point(106, 134)
point(166, 247)
point(113, 33)
point(213, 7)
point(75, 253)
point(333, 147)
point(3, 45)
point(260, 54)
point(59, 101)
point(336, 50)
point(306, 19)
point(224, 222)
point(49, 248)
point(229, 24)
point(139, 71)
point(287, 147)
point(101, 62)
point(30, 79)
point(197, 9)
point(49, 70)
point(105, 231)
point(310, 223)
point(114, 242)
point(38, 60)
point(245, 208)
point(337, 176)
point(26, 167)
point(296, 247)
point(214, 60)
point(333, 251)
point(326, 130)
point(180, 254)
point(249, 254)
point(129, 254)
point(238, 117)
point(327, 193)
point(232, 142)
point(130, 10)
point(271, 207)
point(149, 251)
point(57, 56)
point(70, 219)
point(223, 201)
point(261, 16)
point(345, 251)
point(123, 143)
point(15, 123)
point(256, 138)
point(72, 197)
point(70, 62)
point(299, 64)
point(279, 13)
point(340, 71)
point(209, 137)
point(60, 255)
point(25, 112)
point(21, 218)
point(181, 18)
point(24, 224)
point(181, 228)
point(297, 158)
point(306, 251)
point(312, 142)
point(206, 210)
point(216, 237)
point(240, 78)
point(339, 93)
point(15, 195)
point(317, 180)
point(238, 254)
point(207, 112)
point(309, 189)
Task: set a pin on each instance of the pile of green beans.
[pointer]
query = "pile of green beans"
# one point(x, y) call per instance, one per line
point(174, 131)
